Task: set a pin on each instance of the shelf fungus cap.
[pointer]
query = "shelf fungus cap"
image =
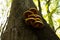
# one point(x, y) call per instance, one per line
point(38, 24)
point(34, 10)
point(29, 21)
point(27, 13)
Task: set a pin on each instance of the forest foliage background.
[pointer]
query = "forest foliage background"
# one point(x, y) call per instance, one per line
point(50, 10)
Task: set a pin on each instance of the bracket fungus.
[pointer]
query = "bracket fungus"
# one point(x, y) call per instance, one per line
point(32, 18)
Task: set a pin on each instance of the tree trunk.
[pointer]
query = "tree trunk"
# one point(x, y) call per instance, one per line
point(18, 30)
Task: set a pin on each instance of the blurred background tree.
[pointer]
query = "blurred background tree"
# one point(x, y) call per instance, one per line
point(50, 10)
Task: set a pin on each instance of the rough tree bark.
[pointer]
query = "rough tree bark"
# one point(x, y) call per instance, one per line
point(18, 30)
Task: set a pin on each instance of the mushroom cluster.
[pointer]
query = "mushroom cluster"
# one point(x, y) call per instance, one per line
point(32, 18)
